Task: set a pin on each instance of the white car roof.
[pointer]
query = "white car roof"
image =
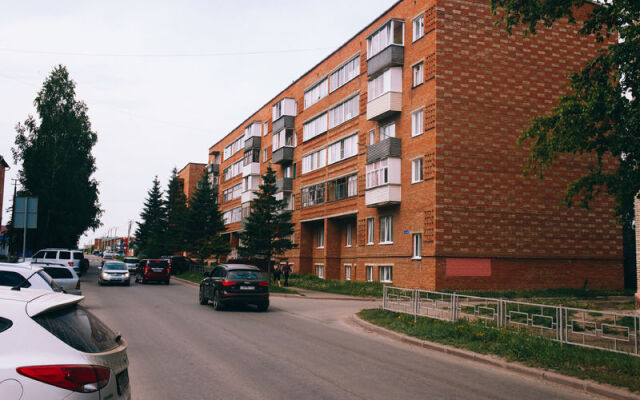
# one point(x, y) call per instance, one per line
point(23, 268)
point(38, 301)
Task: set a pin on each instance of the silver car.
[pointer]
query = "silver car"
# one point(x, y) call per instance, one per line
point(131, 263)
point(114, 272)
point(65, 277)
point(53, 348)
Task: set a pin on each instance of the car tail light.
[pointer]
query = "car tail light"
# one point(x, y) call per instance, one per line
point(79, 378)
point(70, 263)
point(78, 285)
point(147, 269)
point(167, 269)
point(228, 283)
point(264, 284)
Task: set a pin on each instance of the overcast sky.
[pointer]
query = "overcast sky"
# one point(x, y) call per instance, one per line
point(163, 80)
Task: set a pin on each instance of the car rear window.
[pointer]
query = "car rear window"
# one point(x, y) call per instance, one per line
point(51, 282)
point(78, 328)
point(115, 266)
point(131, 260)
point(152, 263)
point(65, 255)
point(5, 324)
point(58, 273)
point(10, 278)
point(78, 255)
point(245, 274)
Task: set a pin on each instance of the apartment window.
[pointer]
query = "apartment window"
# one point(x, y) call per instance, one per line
point(385, 274)
point(226, 217)
point(316, 92)
point(386, 229)
point(416, 170)
point(250, 183)
point(232, 193)
point(372, 137)
point(320, 271)
point(369, 273)
point(252, 156)
point(264, 155)
point(378, 173)
point(370, 234)
point(286, 172)
point(344, 111)
point(286, 137)
point(388, 131)
point(342, 188)
point(286, 106)
point(390, 33)
point(417, 123)
point(344, 148)
point(418, 74)
point(312, 195)
point(417, 245)
point(418, 27)
point(348, 241)
point(289, 201)
point(236, 214)
point(315, 127)
point(347, 272)
point(344, 74)
point(320, 237)
point(388, 81)
point(313, 161)
point(265, 128)
point(246, 210)
point(234, 147)
point(233, 170)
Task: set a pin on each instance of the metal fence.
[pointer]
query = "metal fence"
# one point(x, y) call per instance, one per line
point(611, 331)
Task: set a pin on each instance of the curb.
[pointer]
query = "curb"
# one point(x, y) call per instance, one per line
point(575, 383)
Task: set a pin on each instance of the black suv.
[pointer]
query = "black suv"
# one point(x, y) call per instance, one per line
point(178, 264)
point(235, 284)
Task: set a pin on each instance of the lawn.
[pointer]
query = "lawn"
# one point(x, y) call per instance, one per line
point(601, 366)
point(352, 288)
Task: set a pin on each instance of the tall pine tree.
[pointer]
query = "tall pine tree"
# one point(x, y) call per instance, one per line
point(57, 165)
point(176, 215)
point(268, 229)
point(205, 224)
point(151, 232)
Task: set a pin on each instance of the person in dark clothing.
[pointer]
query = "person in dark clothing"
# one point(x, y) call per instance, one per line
point(276, 274)
point(286, 270)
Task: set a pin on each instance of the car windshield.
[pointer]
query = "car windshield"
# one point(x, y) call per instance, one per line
point(153, 263)
point(245, 274)
point(115, 266)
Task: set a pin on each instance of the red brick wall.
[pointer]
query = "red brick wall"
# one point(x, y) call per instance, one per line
point(190, 176)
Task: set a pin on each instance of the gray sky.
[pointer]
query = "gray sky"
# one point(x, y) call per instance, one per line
point(163, 80)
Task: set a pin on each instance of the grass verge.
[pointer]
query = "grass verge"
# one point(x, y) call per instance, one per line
point(600, 366)
point(197, 277)
point(556, 292)
point(351, 288)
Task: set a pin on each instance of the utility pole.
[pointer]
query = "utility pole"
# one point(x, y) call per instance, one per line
point(126, 243)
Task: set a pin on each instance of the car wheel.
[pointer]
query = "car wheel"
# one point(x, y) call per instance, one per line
point(201, 297)
point(263, 306)
point(217, 302)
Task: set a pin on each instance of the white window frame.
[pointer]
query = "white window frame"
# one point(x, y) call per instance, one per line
point(369, 273)
point(264, 155)
point(372, 137)
point(345, 73)
point(314, 160)
point(320, 238)
point(387, 131)
point(385, 273)
point(315, 127)
point(371, 236)
point(417, 122)
point(320, 270)
point(386, 229)
point(349, 238)
point(342, 149)
point(316, 92)
point(416, 170)
point(265, 128)
point(416, 240)
point(418, 27)
point(377, 173)
point(344, 111)
point(384, 37)
point(347, 272)
point(417, 71)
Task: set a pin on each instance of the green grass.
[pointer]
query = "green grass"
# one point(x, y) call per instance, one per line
point(601, 366)
point(197, 277)
point(351, 288)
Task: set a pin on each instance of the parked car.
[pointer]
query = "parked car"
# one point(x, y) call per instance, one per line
point(65, 277)
point(53, 348)
point(178, 264)
point(235, 284)
point(153, 270)
point(68, 257)
point(106, 257)
point(114, 272)
point(27, 276)
point(131, 263)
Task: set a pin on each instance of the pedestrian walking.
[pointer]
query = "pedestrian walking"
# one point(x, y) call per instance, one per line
point(276, 274)
point(286, 270)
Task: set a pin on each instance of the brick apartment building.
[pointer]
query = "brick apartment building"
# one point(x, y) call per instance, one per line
point(189, 177)
point(398, 156)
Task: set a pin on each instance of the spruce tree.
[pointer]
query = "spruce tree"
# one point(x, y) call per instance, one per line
point(205, 224)
point(151, 232)
point(176, 215)
point(268, 229)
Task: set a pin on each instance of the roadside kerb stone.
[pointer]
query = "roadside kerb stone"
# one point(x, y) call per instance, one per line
point(580, 384)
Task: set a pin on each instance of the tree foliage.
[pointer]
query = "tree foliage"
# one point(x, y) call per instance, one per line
point(600, 115)
point(268, 229)
point(176, 215)
point(205, 224)
point(151, 232)
point(57, 165)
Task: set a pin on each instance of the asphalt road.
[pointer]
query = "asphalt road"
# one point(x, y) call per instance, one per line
point(299, 349)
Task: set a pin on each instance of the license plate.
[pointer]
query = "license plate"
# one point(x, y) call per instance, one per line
point(158, 269)
point(122, 379)
point(246, 288)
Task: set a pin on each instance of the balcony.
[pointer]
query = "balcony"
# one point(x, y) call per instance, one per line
point(392, 56)
point(248, 196)
point(384, 106)
point(214, 169)
point(284, 185)
point(284, 122)
point(389, 147)
point(253, 142)
point(383, 196)
point(251, 169)
point(283, 155)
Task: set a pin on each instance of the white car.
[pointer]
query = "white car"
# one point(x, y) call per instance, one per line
point(53, 348)
point(65, 277)
point(26, 276)
point(67, 257)
point(114, 272)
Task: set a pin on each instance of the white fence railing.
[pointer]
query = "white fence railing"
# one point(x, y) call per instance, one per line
point(605, 330)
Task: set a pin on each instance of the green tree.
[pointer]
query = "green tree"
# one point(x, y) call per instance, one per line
point(151, 232)
point(57, 164)
point(600, 115)
point(176, 215)
point(205, 224)
point(268, 229)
